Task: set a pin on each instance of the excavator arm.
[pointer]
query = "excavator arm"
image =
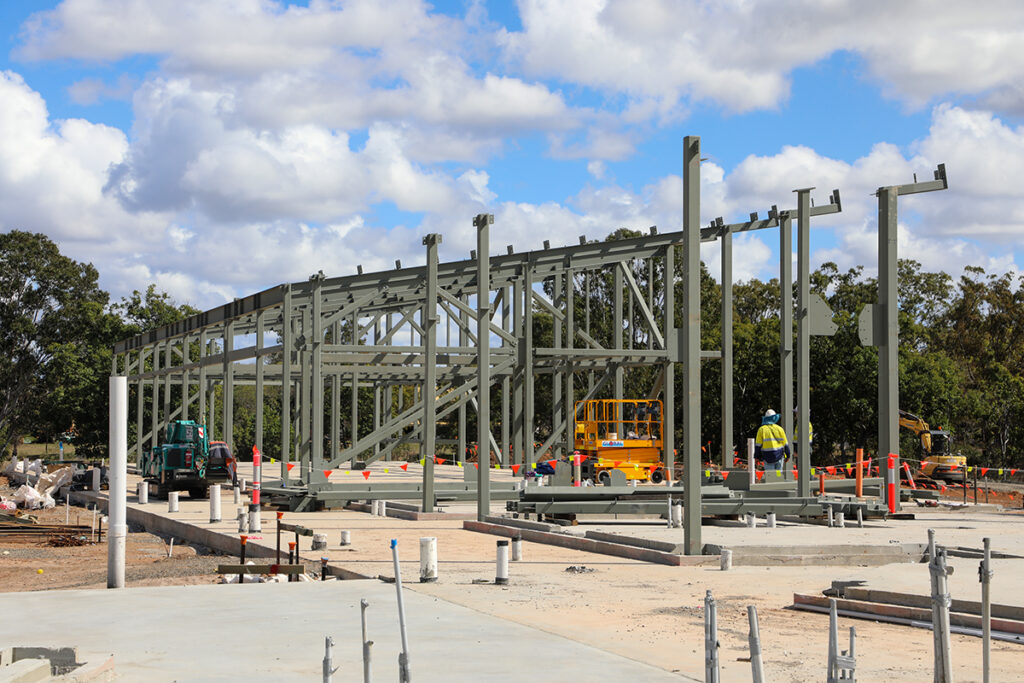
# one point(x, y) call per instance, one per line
point(919, 427)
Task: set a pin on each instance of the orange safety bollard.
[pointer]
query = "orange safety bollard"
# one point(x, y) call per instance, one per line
point(890, 476)
point(821, 482)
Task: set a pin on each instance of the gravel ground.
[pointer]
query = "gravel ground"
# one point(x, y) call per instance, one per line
point(33, 565)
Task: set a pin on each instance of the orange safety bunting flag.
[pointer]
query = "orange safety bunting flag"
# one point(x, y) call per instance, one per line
point(984, 471)
point(272, 461)
point(970, 469)
point(778, 473)
point(1000, 473)
point(405, 466)
point(385, 470)
point(476, 465)
point(423, 462)
point(1013, 472)
point(707, 473)
point(617, 463)
point(812, 471)
point(725, 475)
point(515, 469)
point(830, 469)
point(366, 474)
point(439, 461)
point(760, 474)
point(290, 466)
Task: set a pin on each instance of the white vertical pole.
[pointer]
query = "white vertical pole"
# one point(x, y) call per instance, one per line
point(214, 503)
point(756, 663)
point(985, 575)
point(142, 492)
point(117, 505)
point(501, 572)
point(172, 501)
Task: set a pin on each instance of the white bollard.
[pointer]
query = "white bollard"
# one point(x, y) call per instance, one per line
point(172, 501)
point(751, 520)
point(860, 518)
point(770, 518)
point(374, 507)
point(242, 484)
point(319, 542)
point(238, 495)
point(428, 559)
point(254, 518)
point(831, 517)
point(726, 559)
point(346, 538)
point(117, 531)
point(96, 474)
point(501, 574)
point(382, 508)
point(214, 503)
point(243, 521)
point(841, 520)
point(517, 548)
point(142, 492)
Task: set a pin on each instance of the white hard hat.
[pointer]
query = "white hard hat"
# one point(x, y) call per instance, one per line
point(769, 413)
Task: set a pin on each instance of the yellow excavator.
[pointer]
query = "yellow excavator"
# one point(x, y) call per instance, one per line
point(936, 460)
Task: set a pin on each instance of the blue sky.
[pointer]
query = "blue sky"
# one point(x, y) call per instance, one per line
point(216, 151)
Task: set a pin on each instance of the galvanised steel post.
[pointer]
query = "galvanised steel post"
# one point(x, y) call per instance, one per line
point(228, 384)
point(570, 373)
point(785, 323)
point(186, 377)
point(803, 339)
point(727, 411)
point(483, 362)
point(286, 381)
point(529, 406)
point(260, 330)
point(556, 376)
point(315, 342)
point(888, 351)
point(518, 421)
point(428, 423)
point(155, 407)
point(616, 331)
point(691, 345)
point(168, 380)
point(201, 389)
point(140, 402)
point(305, 404)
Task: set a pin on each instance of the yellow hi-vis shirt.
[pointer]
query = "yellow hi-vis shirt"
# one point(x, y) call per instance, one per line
point(770, 443)
point(810, 433)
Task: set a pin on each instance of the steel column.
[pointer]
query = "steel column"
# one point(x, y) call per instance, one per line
point(483, 363)
point(428, 318)
point(727, 409)
point(888, 351)
point(691, 346)
point(803, 339)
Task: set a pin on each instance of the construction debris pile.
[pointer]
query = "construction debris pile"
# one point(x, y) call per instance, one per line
point(38, 487)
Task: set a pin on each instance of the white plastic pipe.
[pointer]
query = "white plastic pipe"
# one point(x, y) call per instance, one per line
point(346, 538)
point(831, 516)
point(243, 521)
point(860, 518)
point(172, 501)
point(841, 520)
point(751, 520)
point(726, 559)
point(118, 495)
point(770, 518)
point(238, 495)
point(142, 493)
point(319, 542)
point(517, 548)
point(214, 503)
point(96, 474)
point(677, 515)
point(242, 484)
point(428, 559)
point(382, 508)
point(254, 518)
point(501, 574)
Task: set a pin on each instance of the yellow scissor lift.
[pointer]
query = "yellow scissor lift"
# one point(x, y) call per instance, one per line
point(620, 435)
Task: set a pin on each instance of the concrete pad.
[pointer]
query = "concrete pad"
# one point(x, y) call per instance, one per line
point(275, 632)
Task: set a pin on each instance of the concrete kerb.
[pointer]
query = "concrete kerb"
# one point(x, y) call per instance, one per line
point(221, 542)
point(591, 546)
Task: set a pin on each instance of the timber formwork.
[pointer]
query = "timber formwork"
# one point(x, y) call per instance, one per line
point(422, 340)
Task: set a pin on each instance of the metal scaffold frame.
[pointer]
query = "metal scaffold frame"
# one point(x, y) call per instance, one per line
point(380, 332)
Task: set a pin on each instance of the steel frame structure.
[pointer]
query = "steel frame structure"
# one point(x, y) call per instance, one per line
point(329, 335)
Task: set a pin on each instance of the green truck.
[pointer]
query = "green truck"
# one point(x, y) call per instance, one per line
point(187, 461)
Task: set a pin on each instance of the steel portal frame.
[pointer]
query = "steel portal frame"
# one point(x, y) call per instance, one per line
point(331, 333)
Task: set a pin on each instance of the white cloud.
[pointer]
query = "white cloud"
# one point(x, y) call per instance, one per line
point(740, 54)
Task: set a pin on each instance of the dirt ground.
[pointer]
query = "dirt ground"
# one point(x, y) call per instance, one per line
point(35, 565)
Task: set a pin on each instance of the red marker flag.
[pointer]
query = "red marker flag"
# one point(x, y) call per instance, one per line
point(405, 466)
point(327, 473)
point(366, 474)
point(290, 466)
point(515, 469)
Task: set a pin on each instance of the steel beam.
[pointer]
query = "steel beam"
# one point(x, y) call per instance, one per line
point(691, 345)
point(482, 223)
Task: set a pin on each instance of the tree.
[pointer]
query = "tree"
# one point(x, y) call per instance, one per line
point(50, 306)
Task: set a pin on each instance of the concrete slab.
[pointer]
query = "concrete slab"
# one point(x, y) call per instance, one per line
point(275, 632)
